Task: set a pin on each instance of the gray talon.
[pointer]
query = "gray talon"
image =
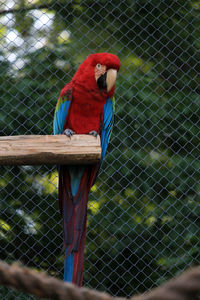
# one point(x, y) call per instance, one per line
point(94, 133)
point(68, 132)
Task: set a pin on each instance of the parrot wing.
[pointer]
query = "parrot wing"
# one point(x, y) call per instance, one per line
point(62, 108)
point(108, 120)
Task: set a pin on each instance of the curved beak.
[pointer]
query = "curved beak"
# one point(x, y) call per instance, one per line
point(110, 79)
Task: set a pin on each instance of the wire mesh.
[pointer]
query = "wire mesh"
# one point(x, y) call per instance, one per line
point(143, 211)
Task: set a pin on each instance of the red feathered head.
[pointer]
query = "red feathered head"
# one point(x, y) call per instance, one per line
point(98, 71)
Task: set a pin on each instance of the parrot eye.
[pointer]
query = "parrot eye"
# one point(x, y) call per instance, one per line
point(98, 66)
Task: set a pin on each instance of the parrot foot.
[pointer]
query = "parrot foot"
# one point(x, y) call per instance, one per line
point(94, 133)
point(68, 132)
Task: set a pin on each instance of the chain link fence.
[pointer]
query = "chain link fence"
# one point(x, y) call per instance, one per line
point(144, 210)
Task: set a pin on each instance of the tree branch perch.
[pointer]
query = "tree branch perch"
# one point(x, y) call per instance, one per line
point(49, 149)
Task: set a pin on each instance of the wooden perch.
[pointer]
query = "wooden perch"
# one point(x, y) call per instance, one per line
point(49, 149)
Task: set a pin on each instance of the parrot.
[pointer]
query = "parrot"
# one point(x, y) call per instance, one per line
point(85, 105)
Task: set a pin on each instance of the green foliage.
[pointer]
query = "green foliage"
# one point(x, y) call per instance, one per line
point(143, 223)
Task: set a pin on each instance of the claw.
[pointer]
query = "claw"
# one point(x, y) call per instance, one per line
point(94, 133)
point(68, 132)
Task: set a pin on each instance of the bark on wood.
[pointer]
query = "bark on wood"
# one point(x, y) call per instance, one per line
point(49, 149)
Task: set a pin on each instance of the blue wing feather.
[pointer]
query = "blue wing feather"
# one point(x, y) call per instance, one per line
point(108, 120)
point(62, 108)
point(60, 114)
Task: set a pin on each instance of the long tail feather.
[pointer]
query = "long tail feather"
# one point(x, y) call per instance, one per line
point(79, 260)
point(74, 186)
point(68, 267)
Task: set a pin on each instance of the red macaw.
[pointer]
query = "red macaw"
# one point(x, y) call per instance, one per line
point(85, 106)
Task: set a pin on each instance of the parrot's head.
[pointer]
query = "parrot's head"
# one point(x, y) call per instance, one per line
point(98, 72)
